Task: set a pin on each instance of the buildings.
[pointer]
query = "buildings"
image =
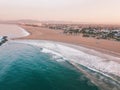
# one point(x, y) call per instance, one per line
point(110, 32)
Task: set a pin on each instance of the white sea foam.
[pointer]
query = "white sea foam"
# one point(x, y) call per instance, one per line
point(94, 60)
point(58, 57)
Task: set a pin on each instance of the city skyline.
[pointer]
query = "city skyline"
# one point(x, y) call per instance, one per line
point(86, 11)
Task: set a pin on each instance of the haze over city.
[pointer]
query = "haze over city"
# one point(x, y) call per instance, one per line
point(86, 11)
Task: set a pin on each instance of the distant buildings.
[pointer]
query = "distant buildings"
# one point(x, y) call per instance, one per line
point(96, 31)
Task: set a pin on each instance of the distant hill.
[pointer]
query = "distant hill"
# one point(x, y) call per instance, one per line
point(20, 21)
point(36, 21)
point(27, 21)
point(59, 22)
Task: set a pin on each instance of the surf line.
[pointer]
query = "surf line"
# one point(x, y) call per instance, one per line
point(92, 78)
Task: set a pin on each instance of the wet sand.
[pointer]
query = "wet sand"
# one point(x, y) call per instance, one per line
point(106, 46)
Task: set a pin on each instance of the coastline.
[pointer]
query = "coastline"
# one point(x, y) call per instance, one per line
point(82, 51)
point(82, 54)
point(104, 46)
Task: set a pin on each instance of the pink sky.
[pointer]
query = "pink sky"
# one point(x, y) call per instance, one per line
point(91, 11)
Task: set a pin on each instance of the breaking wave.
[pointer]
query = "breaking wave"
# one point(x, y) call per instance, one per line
point(91, 63)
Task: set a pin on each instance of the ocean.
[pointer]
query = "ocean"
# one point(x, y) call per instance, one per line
point(25, 67)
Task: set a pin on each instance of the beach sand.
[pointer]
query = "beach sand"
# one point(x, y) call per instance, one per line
point(106, 46)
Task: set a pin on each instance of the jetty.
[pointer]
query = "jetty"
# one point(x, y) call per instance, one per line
point(3, 39)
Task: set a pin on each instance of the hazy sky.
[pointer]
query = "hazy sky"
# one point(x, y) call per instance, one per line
point(94, 11)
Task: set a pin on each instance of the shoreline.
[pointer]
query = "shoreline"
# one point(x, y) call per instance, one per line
point(54, 48)
point(54, 35)
point(92, 62)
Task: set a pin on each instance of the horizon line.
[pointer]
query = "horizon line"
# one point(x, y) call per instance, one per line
point(58, 21)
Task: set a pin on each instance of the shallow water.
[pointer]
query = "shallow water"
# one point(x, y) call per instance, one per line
point(12, 31)
point(24, 67)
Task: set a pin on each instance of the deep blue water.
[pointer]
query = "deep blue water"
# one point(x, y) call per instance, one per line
point(24, 67)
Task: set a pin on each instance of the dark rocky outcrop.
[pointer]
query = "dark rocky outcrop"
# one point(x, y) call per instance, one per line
point(3, 39)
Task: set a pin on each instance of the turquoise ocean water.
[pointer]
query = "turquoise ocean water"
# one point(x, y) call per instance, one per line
point(24, 67)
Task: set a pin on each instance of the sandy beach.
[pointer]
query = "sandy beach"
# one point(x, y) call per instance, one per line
point(106, 46)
